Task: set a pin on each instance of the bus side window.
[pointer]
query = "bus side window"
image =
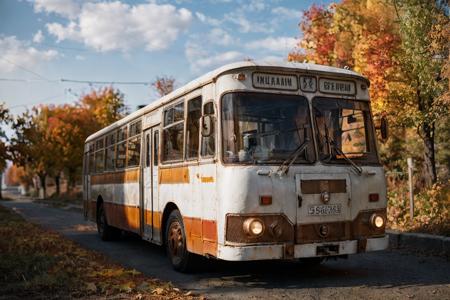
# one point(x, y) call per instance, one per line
point(208, 148)
point(155, 147)
point(172, 142)
point(110, 152)
point(194, 112)
point(121, 150)
point(99, 156)
point(134, 144)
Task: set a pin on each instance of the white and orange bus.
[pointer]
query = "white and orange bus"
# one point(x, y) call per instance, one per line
point(252, 161)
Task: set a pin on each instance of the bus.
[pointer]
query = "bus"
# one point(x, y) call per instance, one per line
point(252, 161)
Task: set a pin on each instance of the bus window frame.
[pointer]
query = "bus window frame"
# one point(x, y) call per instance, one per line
point(164, 127)
point(216, 133)
point(194, 158)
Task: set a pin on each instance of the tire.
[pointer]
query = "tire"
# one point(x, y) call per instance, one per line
point(105, 231)
point(175, 241)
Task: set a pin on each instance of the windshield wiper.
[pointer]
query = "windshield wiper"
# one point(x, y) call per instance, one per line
point(284, 167)
point(332, 144)
point(357, 168)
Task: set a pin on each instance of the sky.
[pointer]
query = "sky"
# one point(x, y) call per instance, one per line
point(44, 43)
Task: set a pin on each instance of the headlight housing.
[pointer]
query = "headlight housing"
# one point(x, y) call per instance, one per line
point(253, 227)
point(377, 221)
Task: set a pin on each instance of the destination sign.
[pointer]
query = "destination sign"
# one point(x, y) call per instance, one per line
point(336, 86)
point(275, 81)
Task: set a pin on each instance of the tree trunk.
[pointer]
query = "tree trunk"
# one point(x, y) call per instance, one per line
point(429, 158)
point(58, 184)
point(43, 185)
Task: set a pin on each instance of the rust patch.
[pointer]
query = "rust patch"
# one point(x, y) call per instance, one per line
point(174, 175)
point(207, 179)
point(126, 176)
point(201, 236)
point(319, 186)
point(155, 216)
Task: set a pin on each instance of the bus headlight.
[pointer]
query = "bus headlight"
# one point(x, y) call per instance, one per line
point(253, 227)
point(377, 221)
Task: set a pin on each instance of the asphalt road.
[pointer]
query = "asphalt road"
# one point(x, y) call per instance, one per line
point(380, 275)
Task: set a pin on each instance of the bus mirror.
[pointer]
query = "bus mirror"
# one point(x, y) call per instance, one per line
point(207, 125)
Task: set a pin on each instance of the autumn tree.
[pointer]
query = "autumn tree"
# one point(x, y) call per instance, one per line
point(32, 147)
point(420, 90)
point(107, 105)
point(164, 85)
point(401, 46)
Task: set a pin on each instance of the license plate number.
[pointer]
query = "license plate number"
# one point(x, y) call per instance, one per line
point(324, 210)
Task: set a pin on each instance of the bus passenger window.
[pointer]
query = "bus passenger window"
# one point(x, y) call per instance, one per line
point(121, 155)
point(208, 148)
point(134, 151)
point(99, 161)
point(193, 127)
point(173, 133)
point(110, 152)
point(134, 145)
point(155, 147)
point(91, 163)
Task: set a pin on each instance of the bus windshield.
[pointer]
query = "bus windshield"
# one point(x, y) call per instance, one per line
point(344, 131)
point(261, 128)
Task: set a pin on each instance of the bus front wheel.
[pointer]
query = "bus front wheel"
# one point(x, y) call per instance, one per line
point(175, 238)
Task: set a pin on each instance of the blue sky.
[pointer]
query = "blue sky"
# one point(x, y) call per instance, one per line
point(44, 41)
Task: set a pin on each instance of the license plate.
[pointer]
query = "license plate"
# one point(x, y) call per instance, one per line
point(324, 210)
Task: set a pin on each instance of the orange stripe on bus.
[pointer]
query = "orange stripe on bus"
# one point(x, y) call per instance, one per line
point(174, 175)
point(207, 179)
point(123, 216)
point(126, 176)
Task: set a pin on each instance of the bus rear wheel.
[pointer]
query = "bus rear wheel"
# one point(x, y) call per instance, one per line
point(175, 238)
point(106, 232)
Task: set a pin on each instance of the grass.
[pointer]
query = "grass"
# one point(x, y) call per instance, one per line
point(41, 264)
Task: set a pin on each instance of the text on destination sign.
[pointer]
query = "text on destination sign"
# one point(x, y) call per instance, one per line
point(337, 86)
point(274, 81)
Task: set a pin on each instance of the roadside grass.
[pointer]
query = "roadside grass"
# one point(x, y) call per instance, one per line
point(431, 209)
point(41, 264)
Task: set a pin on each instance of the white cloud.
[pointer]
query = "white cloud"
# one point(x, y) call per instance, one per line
point(285, 12)
point(19, 53)
point(107, 26)
point(220, 37)
point(38, 37)
point(200, 59)
point(255, 5)
point(275, 44)
point(208, 20)
point(245, 25)
point(80, 57)
point(66, 8)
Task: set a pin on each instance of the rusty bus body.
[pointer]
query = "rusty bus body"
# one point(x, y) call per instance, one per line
point(252, 161)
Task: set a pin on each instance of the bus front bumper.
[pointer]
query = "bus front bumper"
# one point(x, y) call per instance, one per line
point(267, 252)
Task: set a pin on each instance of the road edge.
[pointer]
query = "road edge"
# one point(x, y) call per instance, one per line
point(421, 242)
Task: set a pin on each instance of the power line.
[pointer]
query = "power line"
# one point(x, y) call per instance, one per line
point(25, 80)
point(25, 69)
point(107, 82)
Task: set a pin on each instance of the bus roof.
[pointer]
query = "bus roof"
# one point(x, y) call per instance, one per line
point(211, 76)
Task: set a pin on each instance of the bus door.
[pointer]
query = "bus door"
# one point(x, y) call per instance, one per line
point(150, 184)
